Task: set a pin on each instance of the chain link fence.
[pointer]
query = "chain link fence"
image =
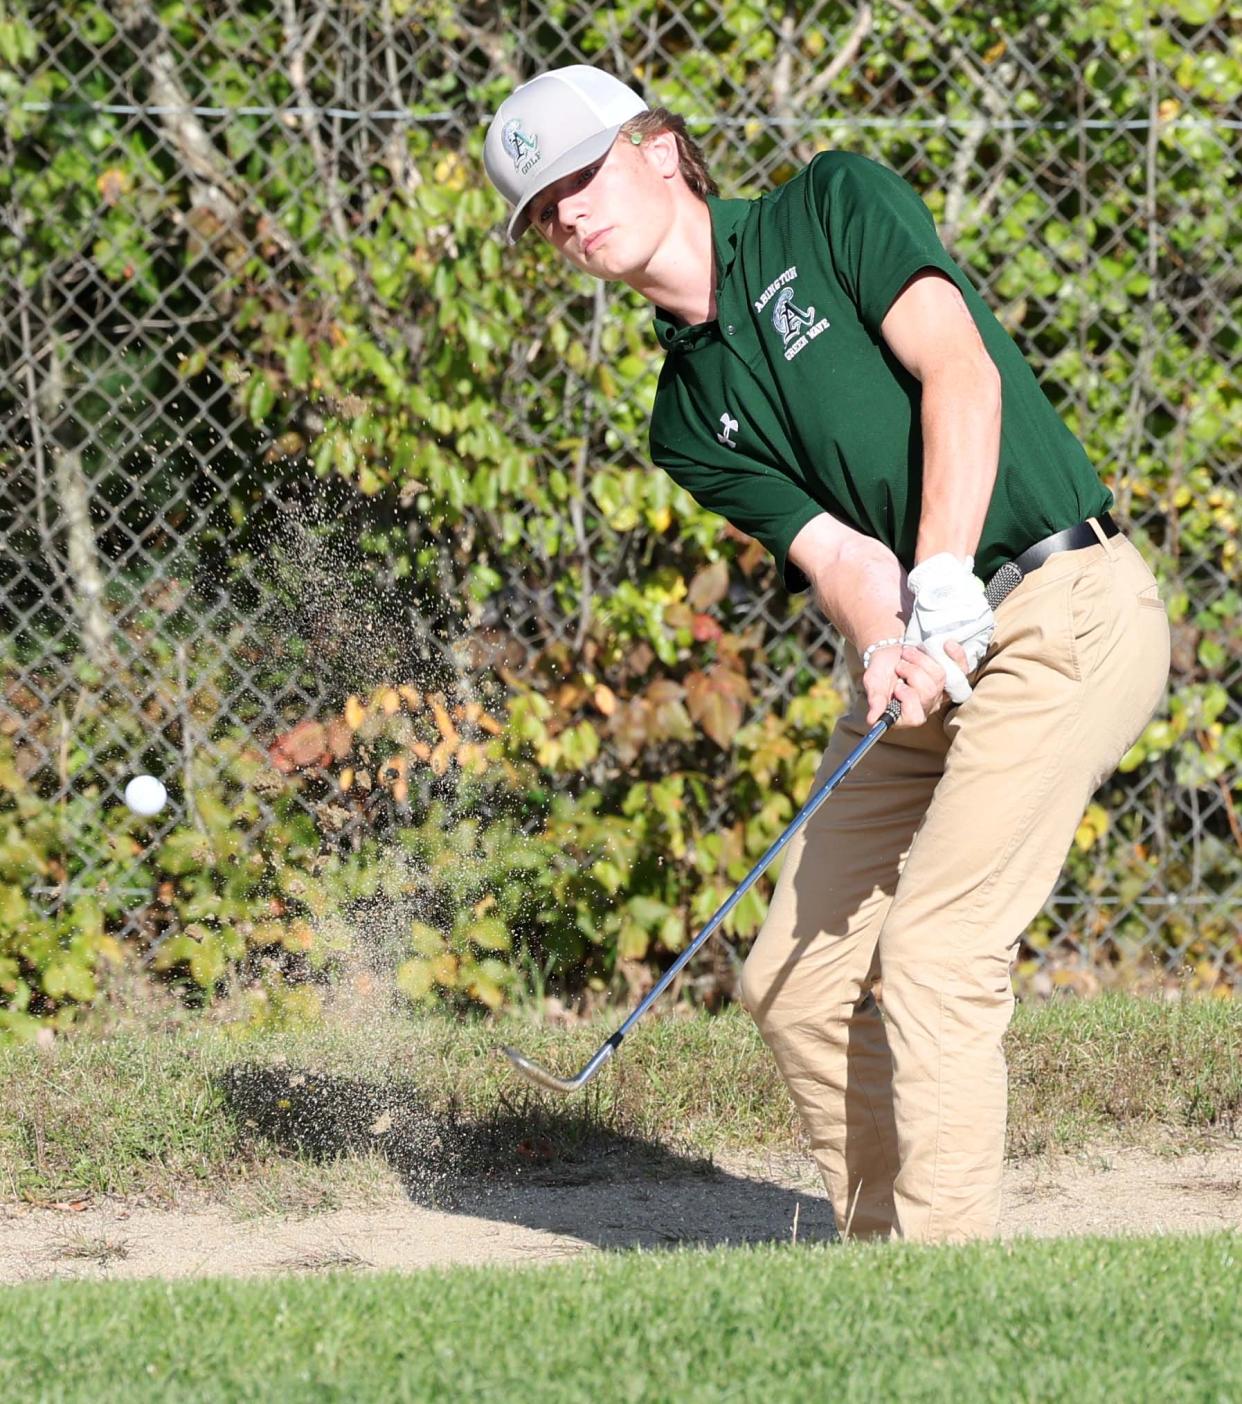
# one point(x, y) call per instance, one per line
point(193, 190)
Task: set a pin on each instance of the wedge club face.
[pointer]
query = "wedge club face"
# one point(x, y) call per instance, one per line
point(541, 1077)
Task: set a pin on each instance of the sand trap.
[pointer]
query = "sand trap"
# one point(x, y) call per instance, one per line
point(1107, 1191)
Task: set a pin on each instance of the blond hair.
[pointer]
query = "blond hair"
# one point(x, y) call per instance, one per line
point(693, 165)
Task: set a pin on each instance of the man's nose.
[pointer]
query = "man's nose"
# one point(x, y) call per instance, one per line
point(571, 210)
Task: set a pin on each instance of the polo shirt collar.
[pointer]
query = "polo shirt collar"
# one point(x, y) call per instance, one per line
point(727, 217)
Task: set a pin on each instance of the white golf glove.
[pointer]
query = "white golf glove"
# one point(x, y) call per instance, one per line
point(949, 603)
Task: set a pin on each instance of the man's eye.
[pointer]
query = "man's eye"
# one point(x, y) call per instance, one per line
point(545, 214)
point(586, 176)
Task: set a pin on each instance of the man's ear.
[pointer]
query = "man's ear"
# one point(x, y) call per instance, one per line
point(661, 151)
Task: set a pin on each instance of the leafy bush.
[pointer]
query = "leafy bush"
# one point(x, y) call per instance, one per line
point(608, 750)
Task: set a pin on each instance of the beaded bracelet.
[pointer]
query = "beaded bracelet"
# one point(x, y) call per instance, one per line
point(872, 648)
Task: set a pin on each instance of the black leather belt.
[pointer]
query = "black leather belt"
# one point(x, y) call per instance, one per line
point(1012, 573)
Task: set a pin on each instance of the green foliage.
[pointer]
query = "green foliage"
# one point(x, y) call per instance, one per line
point(213, 895)
point(489, 408)
point(48, 962)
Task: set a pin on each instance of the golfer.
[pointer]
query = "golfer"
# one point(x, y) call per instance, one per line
point(834, 387)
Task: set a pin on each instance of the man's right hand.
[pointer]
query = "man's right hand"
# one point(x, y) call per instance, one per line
point(913, 677)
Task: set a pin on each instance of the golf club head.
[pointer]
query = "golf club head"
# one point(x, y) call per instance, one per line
point(540, 1077)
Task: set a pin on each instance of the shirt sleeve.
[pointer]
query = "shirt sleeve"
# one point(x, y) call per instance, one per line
point(764, 504)
point(880, 234)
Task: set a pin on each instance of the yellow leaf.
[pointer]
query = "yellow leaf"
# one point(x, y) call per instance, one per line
point(112, 184)
point(444, 722)
point(491, 934)
point(632, 942)
point(441, 757)
point(415, 978)
point(1092, 827)
point(444, 970)
point(426, 940)
point(471, 758)
point(110, 948)
point(488, 992)
point(355, 712)
point(450, 173)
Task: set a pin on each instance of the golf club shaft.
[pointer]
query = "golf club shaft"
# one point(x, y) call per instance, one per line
point(536, 1074)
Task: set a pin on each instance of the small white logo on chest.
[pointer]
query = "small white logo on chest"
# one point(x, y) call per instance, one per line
point(797, 326)
point(728, 425)
point(789, 319)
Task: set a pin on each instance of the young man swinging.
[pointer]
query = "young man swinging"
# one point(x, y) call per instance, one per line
point(835, 387)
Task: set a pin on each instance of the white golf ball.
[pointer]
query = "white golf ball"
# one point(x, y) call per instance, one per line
point(145, 795)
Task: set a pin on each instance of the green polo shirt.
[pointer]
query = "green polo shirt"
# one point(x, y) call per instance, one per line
point(790, 403)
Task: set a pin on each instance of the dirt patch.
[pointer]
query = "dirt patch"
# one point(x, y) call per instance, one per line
point(1107, 1191)
point(1115, 1191)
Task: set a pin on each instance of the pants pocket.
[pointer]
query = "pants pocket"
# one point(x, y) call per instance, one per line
point(1090, 613)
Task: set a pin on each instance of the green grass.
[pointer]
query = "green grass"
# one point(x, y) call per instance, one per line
point(1081, 1320)
point(290, 1116)
point(1145, 1069)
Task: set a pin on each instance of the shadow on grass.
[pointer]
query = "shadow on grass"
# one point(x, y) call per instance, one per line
point(546, 1164)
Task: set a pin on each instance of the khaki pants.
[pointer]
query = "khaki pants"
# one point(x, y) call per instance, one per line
point(924, 869)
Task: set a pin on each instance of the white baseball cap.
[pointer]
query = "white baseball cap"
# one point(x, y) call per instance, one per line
point(550, 127)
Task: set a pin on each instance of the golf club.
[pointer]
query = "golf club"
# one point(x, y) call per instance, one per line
point(532, 1072)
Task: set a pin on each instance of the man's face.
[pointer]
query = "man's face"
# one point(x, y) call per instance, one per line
point(608, 219)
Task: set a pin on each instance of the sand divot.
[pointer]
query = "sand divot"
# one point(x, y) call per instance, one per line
point(741, 1200)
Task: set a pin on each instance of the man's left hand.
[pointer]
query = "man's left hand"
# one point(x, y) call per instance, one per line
point(950, 607)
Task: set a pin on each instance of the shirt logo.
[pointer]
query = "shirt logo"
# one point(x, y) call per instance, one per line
point(775, 286)
point(788, 318)
point(728, 425)
point(796, 327)
point(522, 148)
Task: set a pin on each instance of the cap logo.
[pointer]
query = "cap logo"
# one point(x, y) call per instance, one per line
point(522, 148)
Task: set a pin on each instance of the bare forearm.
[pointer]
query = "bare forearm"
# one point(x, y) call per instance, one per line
point(861, 586)
point(858, 582)
point(961, 419)
point(863, 592)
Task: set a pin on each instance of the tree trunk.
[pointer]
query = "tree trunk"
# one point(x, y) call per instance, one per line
point(84, 580)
